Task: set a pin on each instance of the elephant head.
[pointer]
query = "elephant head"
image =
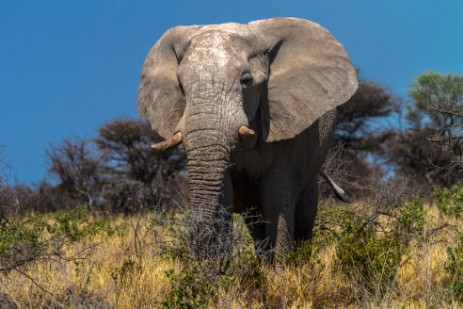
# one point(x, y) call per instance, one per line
point(222, 88)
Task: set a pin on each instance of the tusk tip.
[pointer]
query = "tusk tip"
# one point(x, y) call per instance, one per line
point(244, 130)
point(170, 143)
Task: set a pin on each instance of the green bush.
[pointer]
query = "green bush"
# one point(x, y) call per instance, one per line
point(191, 288)
point(201, 283)
point(450, 200)
point(305, 252)
point(370, 247)
point(410, 220)
point(77, 223)
point(454, 267)
point(369, 259)
point(20, 243)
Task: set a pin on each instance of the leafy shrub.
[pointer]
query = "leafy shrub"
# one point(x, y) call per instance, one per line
point(21, 243)
point(201, 283)
point(76, 224)
point(450, 200)
point(410, 221)
point(198, 284)
point(190, 288)
point(369, 259)
point(373, 241)
point(305, 253)
point(454, 267)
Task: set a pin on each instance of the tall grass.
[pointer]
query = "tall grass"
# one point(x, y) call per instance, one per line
point(362, 255)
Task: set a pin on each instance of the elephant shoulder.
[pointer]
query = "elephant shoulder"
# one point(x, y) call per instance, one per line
point(326, 125)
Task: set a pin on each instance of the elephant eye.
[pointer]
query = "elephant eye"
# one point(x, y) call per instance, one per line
point(246, 80)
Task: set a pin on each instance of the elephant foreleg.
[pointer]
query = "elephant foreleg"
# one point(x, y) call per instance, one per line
point(278, 205)
point(256, 225)
point(247, 203)
point(306, 211)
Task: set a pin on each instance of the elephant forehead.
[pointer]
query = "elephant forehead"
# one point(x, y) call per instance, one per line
point(215, 49)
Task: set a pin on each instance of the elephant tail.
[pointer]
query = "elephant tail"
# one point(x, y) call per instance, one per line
point(339, 192)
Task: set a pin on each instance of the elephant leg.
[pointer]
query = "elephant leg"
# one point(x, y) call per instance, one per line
point(247, 203)
point(256, 225)
point(278, 205)
point(306, 210)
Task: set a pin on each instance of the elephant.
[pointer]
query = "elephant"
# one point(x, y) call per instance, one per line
point(254, 106)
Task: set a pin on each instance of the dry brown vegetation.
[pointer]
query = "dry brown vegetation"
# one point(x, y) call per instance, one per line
point(140, 262)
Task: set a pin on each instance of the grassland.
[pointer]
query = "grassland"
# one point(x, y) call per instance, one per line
point(406, 256)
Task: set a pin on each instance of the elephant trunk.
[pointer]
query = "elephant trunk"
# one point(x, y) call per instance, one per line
point(210, 221)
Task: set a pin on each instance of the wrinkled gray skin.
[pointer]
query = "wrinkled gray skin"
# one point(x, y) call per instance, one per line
point(281, 77)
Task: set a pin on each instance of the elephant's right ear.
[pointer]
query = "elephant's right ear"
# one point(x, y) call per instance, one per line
point(160, 99)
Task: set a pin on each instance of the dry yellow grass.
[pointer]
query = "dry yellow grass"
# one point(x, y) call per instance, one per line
point(126, 271)
point(107, 270)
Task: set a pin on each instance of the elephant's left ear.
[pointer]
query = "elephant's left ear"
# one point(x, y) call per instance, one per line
point(310, 74)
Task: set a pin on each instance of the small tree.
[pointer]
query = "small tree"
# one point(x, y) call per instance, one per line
point(419, 160)
point(138, 176)
point(77, 166)
point(361, 120)
point(444, 97)
point(434, 118)
point(125, 146)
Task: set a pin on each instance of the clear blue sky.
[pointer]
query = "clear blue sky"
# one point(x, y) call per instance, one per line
point(67, 67)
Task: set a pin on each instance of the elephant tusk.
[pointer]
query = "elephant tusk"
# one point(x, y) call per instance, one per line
point(170, 143)
point(245, 131)
point(248, 137)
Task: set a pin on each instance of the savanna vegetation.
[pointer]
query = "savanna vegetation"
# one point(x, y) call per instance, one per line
point(106, 228)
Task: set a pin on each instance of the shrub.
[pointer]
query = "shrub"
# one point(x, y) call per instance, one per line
point(369, 259)
point(454, 267)
point(373, 241)
point(190, 288)
point(305, 253)
point(20, 243)
point(450, 200)
point(76, 224)
point(200, 283)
